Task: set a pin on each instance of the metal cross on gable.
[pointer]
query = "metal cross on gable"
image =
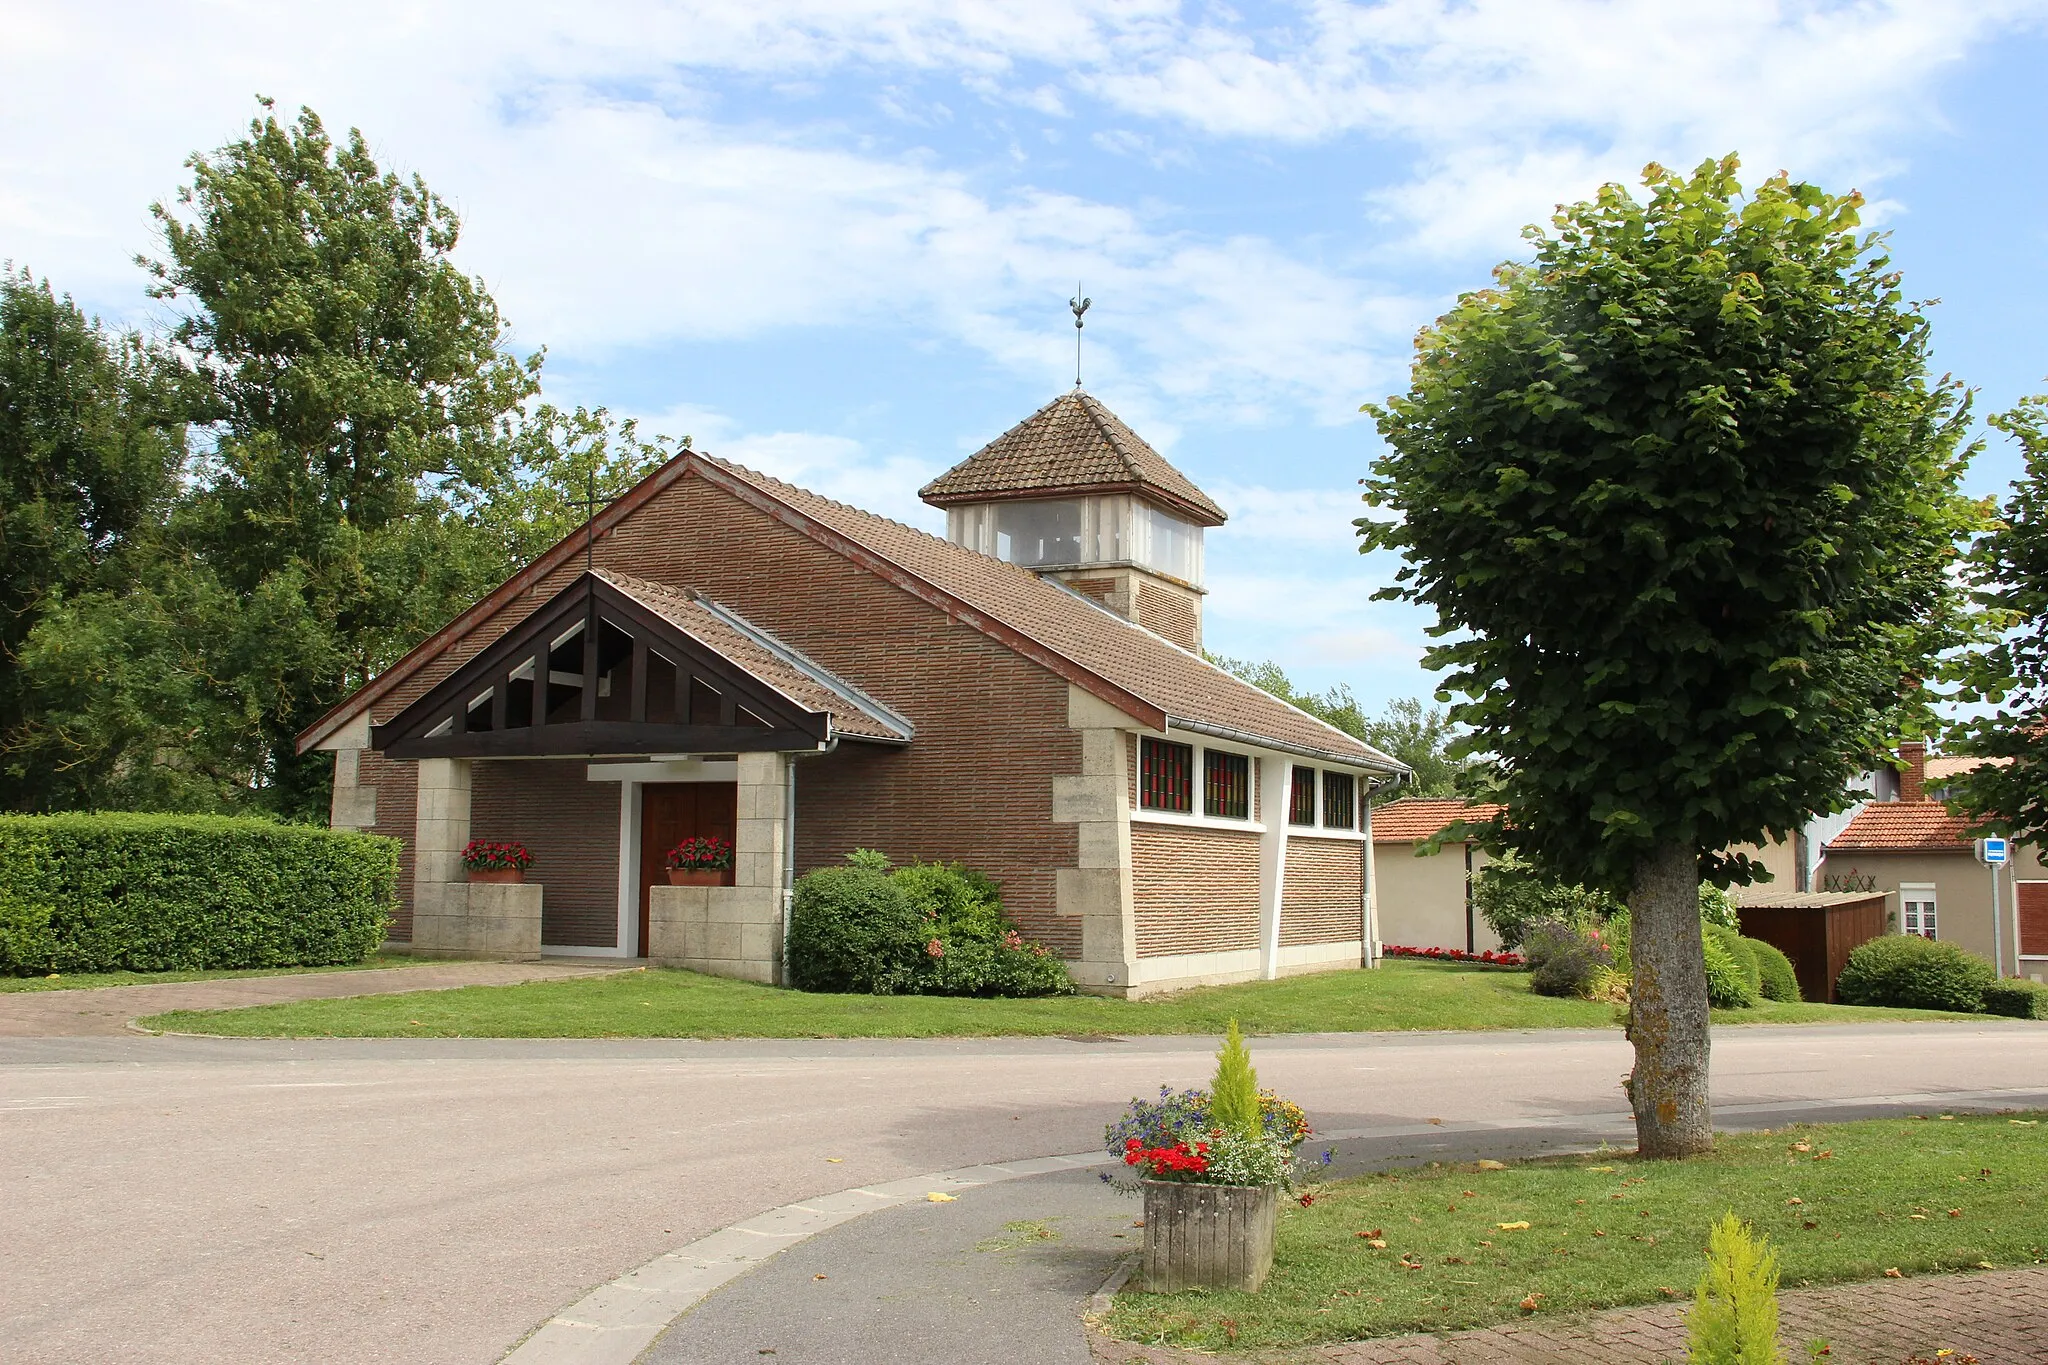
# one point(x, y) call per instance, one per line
point(591, 504)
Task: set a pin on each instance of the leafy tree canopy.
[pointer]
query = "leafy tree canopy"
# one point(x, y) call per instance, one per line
point(1685, 502)
point(2008, 570)
point(369, 458)
point(1683, 498)
point(91, 442)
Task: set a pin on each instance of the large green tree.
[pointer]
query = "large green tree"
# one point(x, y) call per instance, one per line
point(1683, 497)
point(92, 438)
point(360, 388)
point(2008, 570)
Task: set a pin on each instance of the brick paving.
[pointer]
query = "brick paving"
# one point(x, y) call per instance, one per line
point(1998, 1318)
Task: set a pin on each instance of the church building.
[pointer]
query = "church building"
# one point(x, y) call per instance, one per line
point(721, 653)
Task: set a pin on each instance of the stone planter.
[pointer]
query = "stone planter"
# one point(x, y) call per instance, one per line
point(1208, 1236)
point(696, 876)
point(498, 876)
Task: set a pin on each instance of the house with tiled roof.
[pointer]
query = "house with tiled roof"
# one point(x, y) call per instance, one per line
point(1923, 857)
point(1422, 898)
point(720, 653)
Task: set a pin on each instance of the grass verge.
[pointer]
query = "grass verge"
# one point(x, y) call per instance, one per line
point(670, 1004)
point(81, 981)
point(1456, 1247)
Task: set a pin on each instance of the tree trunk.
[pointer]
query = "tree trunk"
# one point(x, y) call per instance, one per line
point(1667, 1018)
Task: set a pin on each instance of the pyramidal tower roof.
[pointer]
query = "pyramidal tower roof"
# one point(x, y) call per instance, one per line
point(1071, 445)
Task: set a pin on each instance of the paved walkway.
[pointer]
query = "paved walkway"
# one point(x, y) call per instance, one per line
point(1995, 1318)
point(419, 1201)
point(104, 1011)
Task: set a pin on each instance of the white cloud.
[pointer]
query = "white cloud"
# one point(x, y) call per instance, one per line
point(1279, 517)
point(1512, 105)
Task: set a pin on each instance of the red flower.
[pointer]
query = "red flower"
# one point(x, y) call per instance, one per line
point(935, 948)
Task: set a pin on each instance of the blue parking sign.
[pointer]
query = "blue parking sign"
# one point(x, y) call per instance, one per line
point(1992, 851)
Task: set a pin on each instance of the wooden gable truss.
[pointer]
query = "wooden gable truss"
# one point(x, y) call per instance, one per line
point(595, 672)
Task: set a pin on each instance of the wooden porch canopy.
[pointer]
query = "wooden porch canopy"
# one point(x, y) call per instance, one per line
point(619, 665)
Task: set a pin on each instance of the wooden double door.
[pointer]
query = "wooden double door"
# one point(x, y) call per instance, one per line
point(671, 812)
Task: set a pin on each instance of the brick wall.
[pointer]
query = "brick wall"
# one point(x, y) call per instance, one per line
point(397, 787)
point(1325, 887)
point(1197, 890)
point(975, 785)
point(571, 826)
point(1166, 613)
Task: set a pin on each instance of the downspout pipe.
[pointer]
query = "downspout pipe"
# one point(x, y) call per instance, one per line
point(789, 854)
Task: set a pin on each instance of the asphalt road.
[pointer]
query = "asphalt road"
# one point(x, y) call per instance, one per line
point(177, 1199)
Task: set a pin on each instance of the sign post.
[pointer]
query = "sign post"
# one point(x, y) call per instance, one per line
point(1995, 852)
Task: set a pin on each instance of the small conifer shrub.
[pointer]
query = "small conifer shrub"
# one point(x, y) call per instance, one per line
point(1734, 1317)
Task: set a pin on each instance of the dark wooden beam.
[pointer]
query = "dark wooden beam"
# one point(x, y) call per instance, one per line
point(637, 711)
point(590, 738)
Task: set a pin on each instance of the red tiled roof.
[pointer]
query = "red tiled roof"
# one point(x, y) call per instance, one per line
point(1902, 827)
point(1193, 692)
point(770, 661)
point(1125, 664)
point(1072, 444)
point(1956, 765)
point(1420, 817)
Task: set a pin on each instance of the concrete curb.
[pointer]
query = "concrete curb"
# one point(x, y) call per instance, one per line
point(615, 1322)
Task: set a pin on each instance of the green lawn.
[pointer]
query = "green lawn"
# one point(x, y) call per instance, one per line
point(1425, 1250)
point(78, 981)
point(670, 1004)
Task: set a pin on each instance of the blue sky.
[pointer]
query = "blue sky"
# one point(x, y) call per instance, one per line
point(835, 239)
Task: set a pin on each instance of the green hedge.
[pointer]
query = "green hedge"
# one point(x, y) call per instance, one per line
point(147, 893)
point(1905, 971)
point(2017, 999)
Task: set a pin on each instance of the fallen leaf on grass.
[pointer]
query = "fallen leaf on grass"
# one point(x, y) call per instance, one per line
point(1823, 1156)
point(1809, 1225)
point(1893, 1274)
point(1802, 1146)
point(1986, 1265)
point(1667, 1291)
point(1955, 1213)
point(1487, 1164)
point(1529, 1304)
point(1512, 1227)
point(1601, 1170)
point(1468, 1194)
point(1376, 1243)
point(2023, 1123)
point(1795, 1199)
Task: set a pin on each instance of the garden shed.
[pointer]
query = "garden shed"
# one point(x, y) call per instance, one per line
point(1816, 929)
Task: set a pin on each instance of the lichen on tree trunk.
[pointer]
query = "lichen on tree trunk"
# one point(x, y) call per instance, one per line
point(1668, 1006)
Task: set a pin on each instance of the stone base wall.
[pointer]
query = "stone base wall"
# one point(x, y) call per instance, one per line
point(478, 919)
point(733, 931)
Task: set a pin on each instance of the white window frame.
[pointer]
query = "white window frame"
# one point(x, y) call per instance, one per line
point(1916, 895)
point(1255, 824)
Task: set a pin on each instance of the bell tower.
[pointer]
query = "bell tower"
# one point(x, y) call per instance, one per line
point(1076, 496)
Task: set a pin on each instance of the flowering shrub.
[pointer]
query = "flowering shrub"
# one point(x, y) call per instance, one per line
point(706, 854)
point(489, 855)
point(1489, 957)
point(1177, 1125)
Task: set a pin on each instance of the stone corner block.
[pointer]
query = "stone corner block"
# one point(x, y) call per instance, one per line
point(1076, 800)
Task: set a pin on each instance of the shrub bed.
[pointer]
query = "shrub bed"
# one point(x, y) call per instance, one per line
point(927, 929)
point(1906, 971)
point(96, 893)
point(2017, 999)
